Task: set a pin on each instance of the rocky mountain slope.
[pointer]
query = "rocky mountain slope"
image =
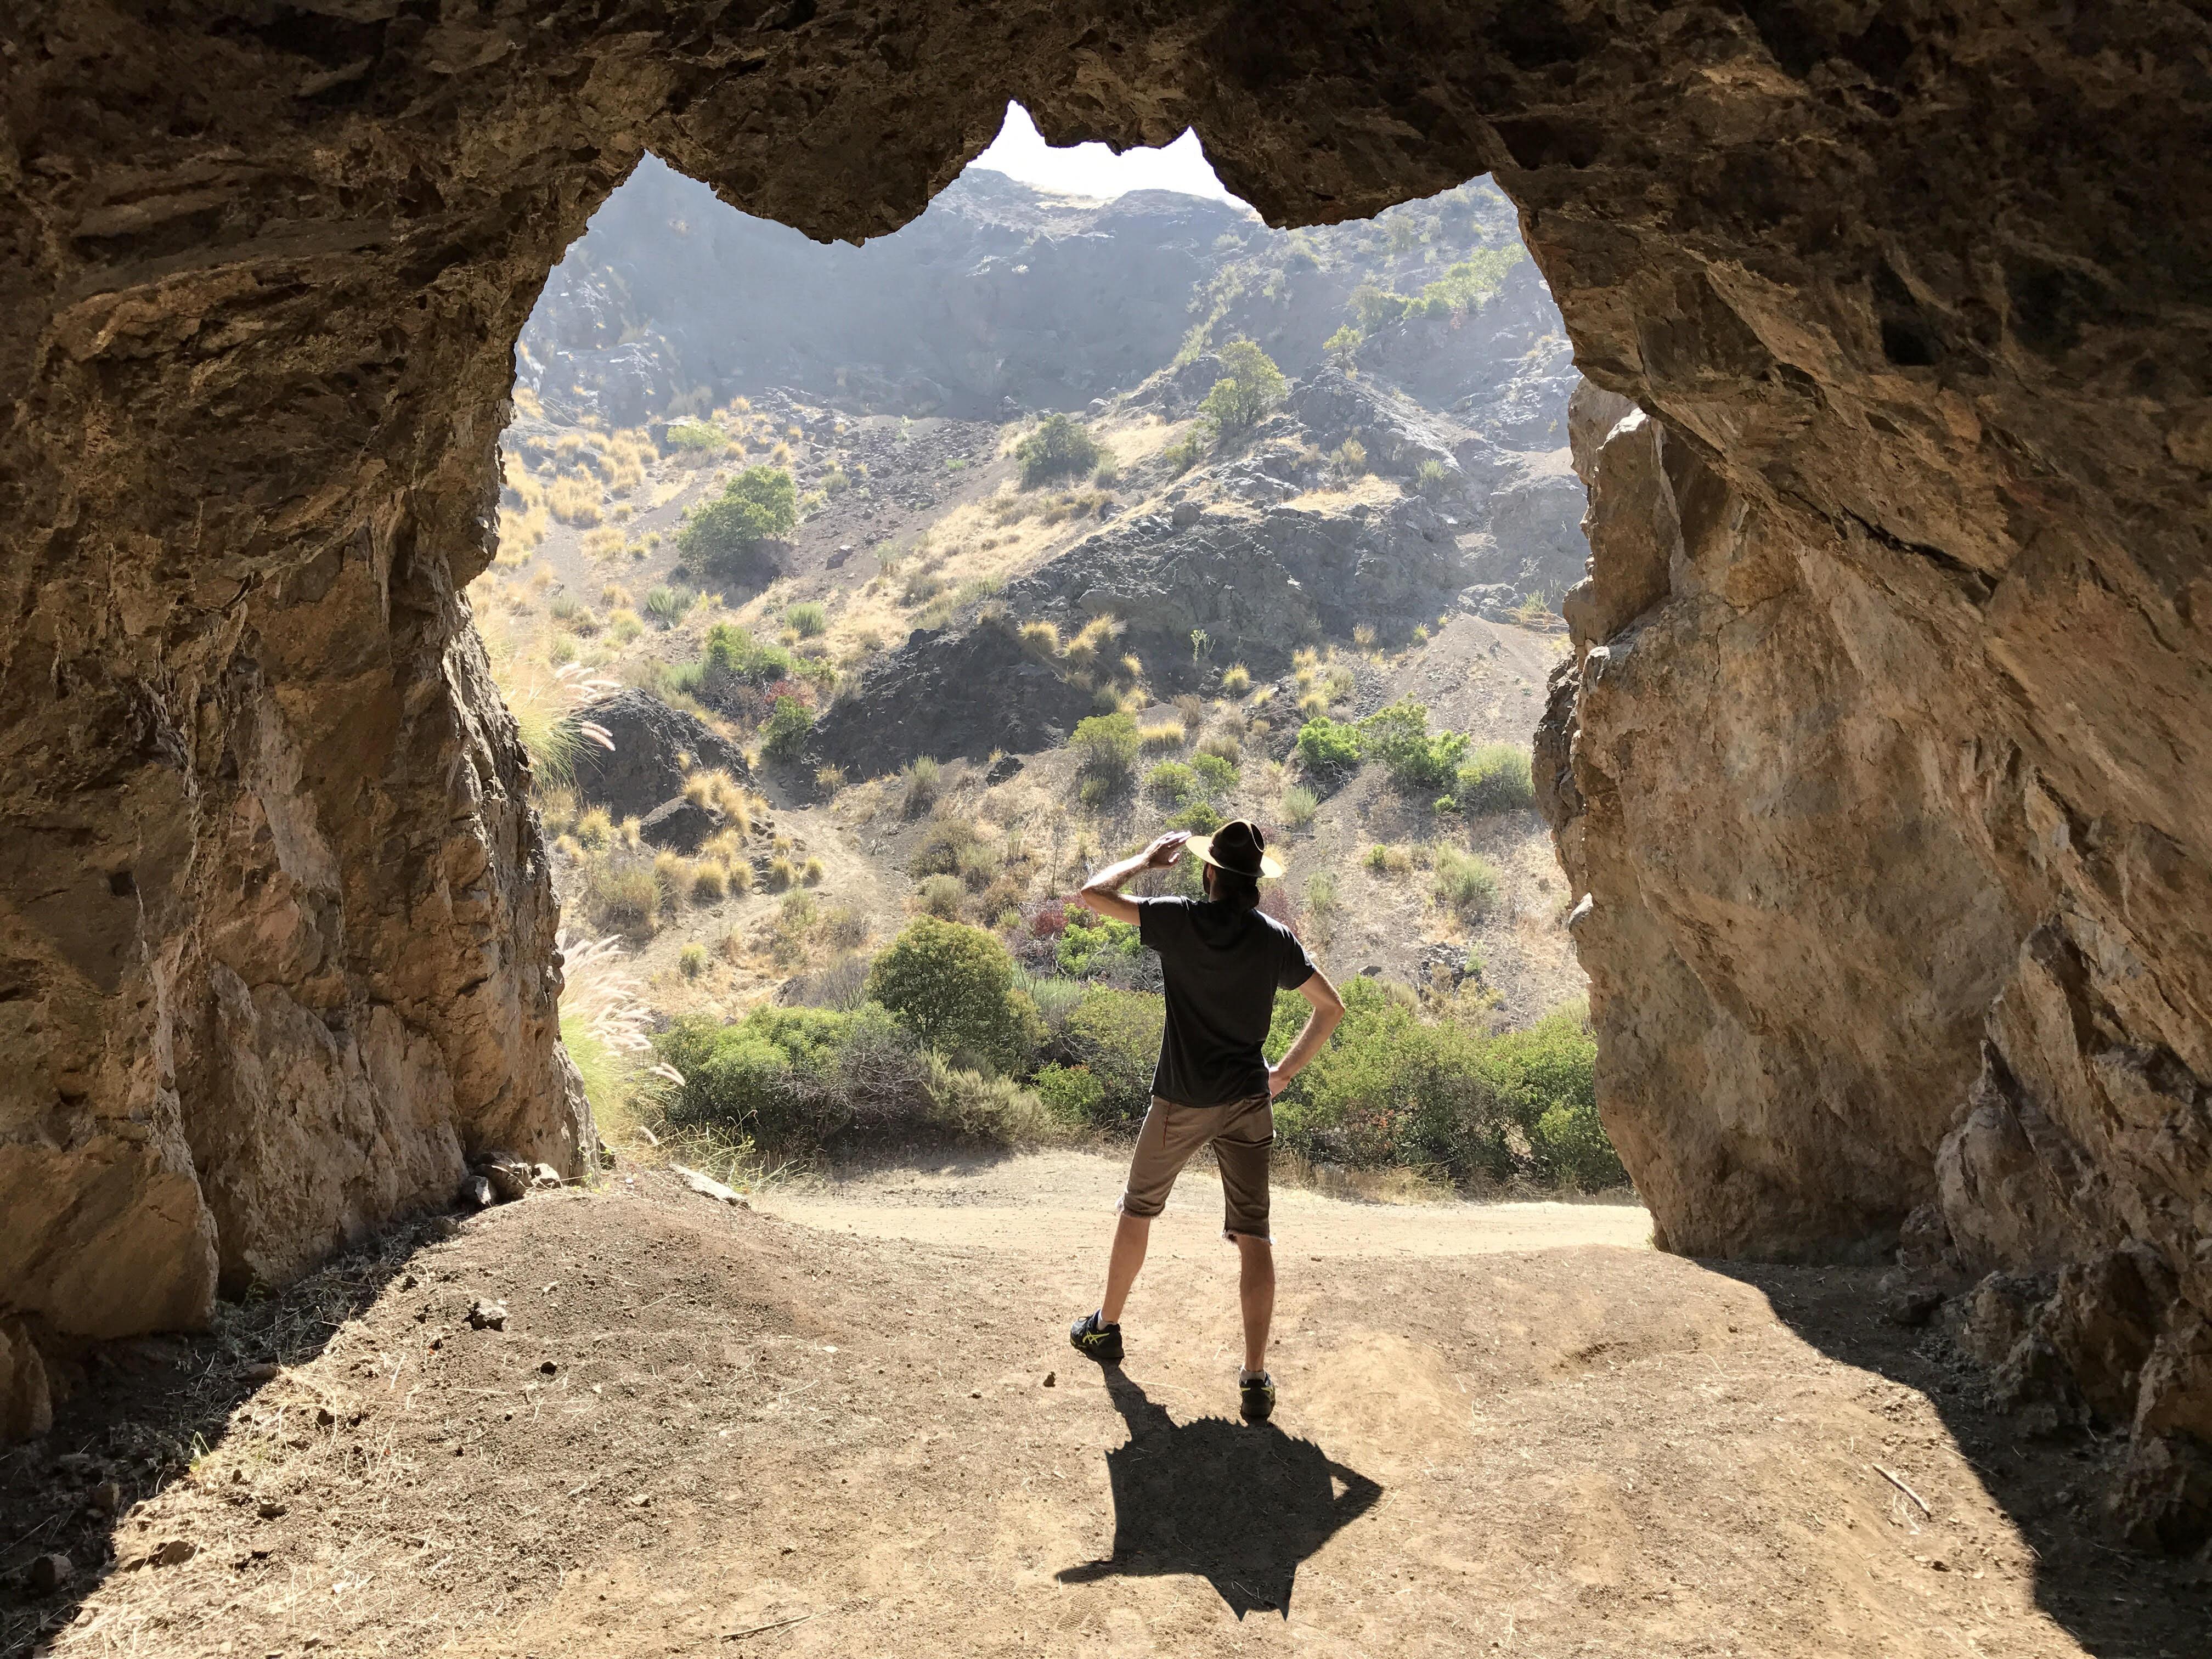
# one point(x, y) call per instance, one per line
point(1397, 537)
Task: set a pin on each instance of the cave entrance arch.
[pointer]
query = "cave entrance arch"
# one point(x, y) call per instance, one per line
point(1931, 441)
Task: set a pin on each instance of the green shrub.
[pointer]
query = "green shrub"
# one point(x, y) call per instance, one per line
point(1327, 748)
point(984, 1106)
point(788, 723)
point(1061, 448)
point(1249, 386)
point(1171, 780)
point(953, 986)
point(756, 506)
point(732, 655)
point(1496, 778)
point(1201, 817)
point(1216, 774)
point(1466, 881)
point(1299, 806)
point(791, 1077)
point(1089, 945)
point(1398, 737)
point(1115, 1036)
point(1071, 1091)
point(696, 437)
point(1107, 744)
point(1343, 346)
point(666, 605)
point(941, 896)
point(1321, 895)
point(808, 621)
point(1548, 1074)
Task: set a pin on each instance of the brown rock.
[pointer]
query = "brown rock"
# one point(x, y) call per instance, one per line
point(26, 1405)
point(488, 1315)
point(48, 1573)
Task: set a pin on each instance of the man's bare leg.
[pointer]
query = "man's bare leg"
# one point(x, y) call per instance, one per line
point(1255, 1290)
point(1131, 1233)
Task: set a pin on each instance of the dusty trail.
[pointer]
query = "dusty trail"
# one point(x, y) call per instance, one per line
point(823, 1427)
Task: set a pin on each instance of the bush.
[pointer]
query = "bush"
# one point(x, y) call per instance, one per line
point(1171, 780)
point(691, 960)
point(1393, 1088)
point(733, 657)
point(1089, 945)
point(1107, 744)
point(1496, 778)
point(1249, 386)
point(1216, 774)
point(1321, 895)
point(1466, 881)
point(1167, 734)
point(756, 506)
point(808, 621)
point(1070, 1092)
point(710, 884)
point(1433, 479)
point(1398, 737)
point(921, 784)
point(941, 896)
point(1299, 806)
point(1327, 748)
point(666, 605)
point(788, 723)
point(1061, 448)
point(1115, 1036)
point(1236, 680)
point(623, 900)
point(953, 988)
point(794, 1077)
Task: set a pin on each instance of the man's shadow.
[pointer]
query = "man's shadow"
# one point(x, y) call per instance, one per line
point(1240, 1506)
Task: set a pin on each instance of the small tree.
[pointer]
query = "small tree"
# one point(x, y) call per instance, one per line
point(953, 988)
point(756, 506)
point(1061, 448)
point(1343, 347)
point(1249, 386)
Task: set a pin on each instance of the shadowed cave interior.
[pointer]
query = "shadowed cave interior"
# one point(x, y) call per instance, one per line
point(1879, 769)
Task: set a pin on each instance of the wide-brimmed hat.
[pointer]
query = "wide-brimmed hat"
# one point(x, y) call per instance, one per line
point(1238, 848)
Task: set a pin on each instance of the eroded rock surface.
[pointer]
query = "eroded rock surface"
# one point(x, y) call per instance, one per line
point(1908, 755)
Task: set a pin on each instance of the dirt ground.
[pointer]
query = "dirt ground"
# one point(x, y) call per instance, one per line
point(846, 1422)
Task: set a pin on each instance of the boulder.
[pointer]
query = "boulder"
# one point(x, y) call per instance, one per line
point(655, 746)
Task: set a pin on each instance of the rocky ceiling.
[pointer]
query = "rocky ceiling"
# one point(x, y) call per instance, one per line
point(1881, 770)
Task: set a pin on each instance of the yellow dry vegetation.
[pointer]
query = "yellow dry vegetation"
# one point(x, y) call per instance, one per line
point(573, 501)
point(1367, 490)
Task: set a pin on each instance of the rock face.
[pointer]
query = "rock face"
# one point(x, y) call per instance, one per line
point(1882, 765)
point(655, 748)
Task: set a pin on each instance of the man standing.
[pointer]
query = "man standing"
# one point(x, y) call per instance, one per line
point(1223, 960)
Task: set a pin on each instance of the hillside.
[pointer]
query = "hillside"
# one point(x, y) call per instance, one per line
point(1398, 520)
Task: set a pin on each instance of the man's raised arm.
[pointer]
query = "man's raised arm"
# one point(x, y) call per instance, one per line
point(1103, 892)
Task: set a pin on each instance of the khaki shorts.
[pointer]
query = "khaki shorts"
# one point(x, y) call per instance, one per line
point(1240, 1134)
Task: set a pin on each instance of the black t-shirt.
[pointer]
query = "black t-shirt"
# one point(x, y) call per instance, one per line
point(1222, 967)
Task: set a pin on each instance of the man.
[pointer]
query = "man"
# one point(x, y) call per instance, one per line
point(1224, 960)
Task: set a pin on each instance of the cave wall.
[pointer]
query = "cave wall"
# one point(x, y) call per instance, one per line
point(1881, 772)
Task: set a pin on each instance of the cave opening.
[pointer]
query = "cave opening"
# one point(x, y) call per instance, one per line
point(1881, 772)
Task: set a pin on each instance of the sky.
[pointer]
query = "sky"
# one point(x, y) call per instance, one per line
point(1094, 170)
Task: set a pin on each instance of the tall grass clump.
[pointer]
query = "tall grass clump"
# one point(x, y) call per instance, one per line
point(1465, 882)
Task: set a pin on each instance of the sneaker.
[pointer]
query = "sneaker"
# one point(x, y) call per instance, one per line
point(1257, 1397)
point(1095, 1340)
